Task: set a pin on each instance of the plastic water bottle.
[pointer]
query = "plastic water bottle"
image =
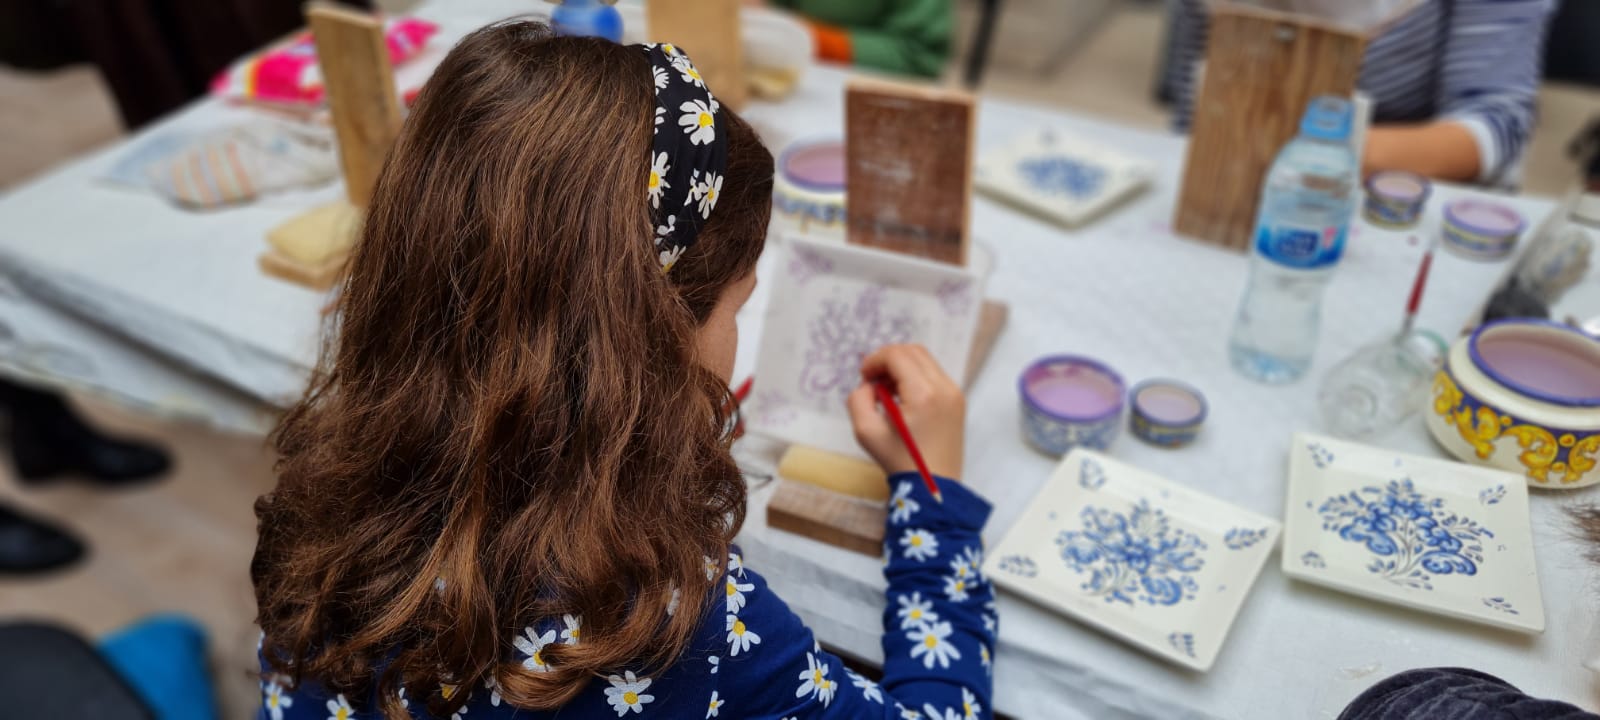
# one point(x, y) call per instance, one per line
point(587, 18)
point(1306, 205)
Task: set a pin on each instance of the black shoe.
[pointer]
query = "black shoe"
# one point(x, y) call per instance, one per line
point(31, 546)
point(48, 440)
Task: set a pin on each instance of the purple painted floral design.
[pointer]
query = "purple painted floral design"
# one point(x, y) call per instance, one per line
point(805, 264)
point(769, 408)
point(842, 335)
point(955, 296)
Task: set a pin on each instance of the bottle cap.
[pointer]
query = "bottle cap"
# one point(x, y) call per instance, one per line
point(1328, 117)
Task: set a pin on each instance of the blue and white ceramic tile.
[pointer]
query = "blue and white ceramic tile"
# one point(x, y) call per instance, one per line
point(1430, 534)
point(1156, 563)
point(1063, 177)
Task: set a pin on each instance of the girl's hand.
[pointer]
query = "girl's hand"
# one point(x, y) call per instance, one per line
point(932, 404)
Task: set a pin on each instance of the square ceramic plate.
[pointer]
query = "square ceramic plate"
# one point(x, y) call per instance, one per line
point(1060, 176)
point(1158, 564)
point(1438, 536)
point(832, 305)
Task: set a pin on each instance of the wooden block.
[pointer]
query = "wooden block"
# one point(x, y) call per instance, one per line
point(354, 60)
point(826, 516)
point(1261, 70)
point(908, 155)
point(311, 248)
point(842, 474)
point(316, 277)
point(709, 31)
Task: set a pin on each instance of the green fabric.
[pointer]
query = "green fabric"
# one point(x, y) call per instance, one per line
point(904, 36)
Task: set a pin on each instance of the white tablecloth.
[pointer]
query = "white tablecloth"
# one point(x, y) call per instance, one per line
point(115, 291)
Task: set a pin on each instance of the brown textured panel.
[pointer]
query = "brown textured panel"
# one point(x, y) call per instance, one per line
point(360, 86)
point(909, 156)
point(1261, 69)
point(827, 516)
point(708, 30)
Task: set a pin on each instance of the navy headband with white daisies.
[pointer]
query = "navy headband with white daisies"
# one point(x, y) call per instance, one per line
point(688, 157)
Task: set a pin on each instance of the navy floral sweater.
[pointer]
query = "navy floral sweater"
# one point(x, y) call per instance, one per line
point(753, 658)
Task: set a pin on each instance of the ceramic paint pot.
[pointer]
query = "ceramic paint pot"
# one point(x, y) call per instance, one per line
point(1524, 396)
point(1070, 402)
point(1395, 198)
point(1481, 230)
point(808, 192)
point(1167, 413)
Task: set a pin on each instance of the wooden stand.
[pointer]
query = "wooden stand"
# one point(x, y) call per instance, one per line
point(1261, 70)
point(311, 248)
point(908, 156)
point(709, 31)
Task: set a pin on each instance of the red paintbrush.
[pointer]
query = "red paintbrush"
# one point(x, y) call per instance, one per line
point(1416, 294)
point(892, 409)
point(739, 395)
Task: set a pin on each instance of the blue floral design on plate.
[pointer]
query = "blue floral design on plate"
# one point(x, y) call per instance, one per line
point(1499, 603)
point(1320, 455)
point(1411, 536)
point(1241, 538)
point(1091, 475)
point(1493, 495)
point(1063, 175)
point(1182, 642)
point(1138, 556)
point(1019, 565)
point(1313, 560)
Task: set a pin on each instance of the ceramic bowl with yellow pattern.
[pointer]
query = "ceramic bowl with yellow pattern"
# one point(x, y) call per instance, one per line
point(1524, 396)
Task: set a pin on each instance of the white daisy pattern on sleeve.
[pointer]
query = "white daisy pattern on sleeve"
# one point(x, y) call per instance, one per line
point(931, 642)
point(929, 711)
point(627, 693)
point(914, 611)
point(868, 688)
point(493, 686)
point(920, 545)
point(740, 638)
point(339, 709)
point(735, 561)
point(902, 506)
point(460, 713)
point(574, 631)
point(955, 585)
point(715, 706)
point(736, 591)
point(273, 699)
point(531, 643)
point(814, 681)
point(969, 705)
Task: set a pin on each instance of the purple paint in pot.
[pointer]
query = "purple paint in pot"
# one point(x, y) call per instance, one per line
point(1169, 404)
point(1485, 218)
point(816, 166)
point(1073, 389)
point(1399, 186)
point(1541, 360)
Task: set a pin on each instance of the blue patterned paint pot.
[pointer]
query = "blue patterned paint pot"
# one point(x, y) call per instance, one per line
point(1395, 198)
point(1479, 229)
point(1167, 413)
point(808, 192)
point(1069, 401)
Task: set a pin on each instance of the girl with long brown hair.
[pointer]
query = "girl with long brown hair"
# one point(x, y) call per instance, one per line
point(508, 488)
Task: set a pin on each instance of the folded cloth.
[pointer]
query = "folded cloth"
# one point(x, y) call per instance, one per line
point(238, 164)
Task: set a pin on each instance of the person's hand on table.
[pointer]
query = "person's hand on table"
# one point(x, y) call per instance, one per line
point(933, 406)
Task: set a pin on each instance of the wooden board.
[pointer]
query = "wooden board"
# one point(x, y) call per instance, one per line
point(908, 156)
point(826, 516)
point(354, 60)
point(1261, 70)
point(709, 31)
point(991, 320)
point(312, 247)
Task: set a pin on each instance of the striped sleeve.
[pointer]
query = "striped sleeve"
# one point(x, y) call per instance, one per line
point(1489, 78)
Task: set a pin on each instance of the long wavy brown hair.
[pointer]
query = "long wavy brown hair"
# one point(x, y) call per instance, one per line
point(509, 423)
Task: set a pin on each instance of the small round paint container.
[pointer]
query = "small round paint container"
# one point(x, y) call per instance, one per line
point(1395, 198)
point(1166, 412)
point(1479, 229)
point(808, 192)
point(1070, 401)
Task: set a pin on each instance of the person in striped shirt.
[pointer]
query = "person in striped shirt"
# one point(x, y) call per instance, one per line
point(1452, 84)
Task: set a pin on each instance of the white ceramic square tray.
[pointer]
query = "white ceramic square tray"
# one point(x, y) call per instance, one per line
point(1061, 176)
point(1434, 535)
point(1151, 561)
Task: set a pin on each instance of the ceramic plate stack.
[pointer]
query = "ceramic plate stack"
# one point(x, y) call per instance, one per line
point(1434, 535)
point(1153, 562)
point(1061, 177)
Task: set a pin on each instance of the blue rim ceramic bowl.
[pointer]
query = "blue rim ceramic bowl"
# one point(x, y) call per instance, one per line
point(1055, 431)
point(1158, 426)
point(1523, 396)
point(809, 204)
point(1480, 229)
point(1395, 198)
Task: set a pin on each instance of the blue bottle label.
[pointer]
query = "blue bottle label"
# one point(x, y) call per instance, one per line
point(1301, 247)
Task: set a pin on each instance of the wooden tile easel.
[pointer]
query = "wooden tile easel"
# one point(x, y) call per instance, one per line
point(709, 31)
point(1262, 68)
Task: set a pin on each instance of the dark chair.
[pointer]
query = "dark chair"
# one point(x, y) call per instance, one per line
point(47, 672)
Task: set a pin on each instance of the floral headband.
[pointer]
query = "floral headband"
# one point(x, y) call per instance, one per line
point(685, 167)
